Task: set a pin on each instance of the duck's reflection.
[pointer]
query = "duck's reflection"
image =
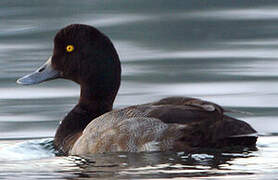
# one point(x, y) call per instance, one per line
point(160, 164)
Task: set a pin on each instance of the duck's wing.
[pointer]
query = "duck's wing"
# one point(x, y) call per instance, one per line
point(209, 126)
point(183, 110)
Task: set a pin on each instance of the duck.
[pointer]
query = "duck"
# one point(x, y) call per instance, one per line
point(87, 56)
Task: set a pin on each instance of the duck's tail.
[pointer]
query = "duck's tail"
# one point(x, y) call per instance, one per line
point(234, 132)
point(237, 112)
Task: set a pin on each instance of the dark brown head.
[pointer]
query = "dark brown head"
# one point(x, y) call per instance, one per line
point(84, 55)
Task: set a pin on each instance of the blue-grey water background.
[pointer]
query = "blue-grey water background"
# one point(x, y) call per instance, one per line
point(222, 51)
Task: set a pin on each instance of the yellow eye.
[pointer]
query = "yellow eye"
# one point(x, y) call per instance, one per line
point(70, 48)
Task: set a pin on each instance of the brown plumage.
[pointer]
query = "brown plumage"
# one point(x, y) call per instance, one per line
point(174, 123)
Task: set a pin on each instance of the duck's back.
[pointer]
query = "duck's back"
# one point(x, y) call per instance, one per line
point(175, 123)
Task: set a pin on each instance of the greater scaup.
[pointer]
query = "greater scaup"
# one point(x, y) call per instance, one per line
point(86, 56)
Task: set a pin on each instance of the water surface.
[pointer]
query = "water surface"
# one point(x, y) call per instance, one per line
point(222, 51)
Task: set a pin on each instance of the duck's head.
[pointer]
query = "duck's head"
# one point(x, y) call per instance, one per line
point(84, 55)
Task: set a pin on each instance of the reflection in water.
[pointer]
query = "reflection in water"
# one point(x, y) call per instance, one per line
point(210, 162)
point(129, 165)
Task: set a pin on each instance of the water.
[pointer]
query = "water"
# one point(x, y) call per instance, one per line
point(223, 51)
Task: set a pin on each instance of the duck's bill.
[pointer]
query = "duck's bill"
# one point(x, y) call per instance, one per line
point(43, 73)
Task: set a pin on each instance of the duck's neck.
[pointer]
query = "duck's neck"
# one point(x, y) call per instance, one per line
point(90, 106)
